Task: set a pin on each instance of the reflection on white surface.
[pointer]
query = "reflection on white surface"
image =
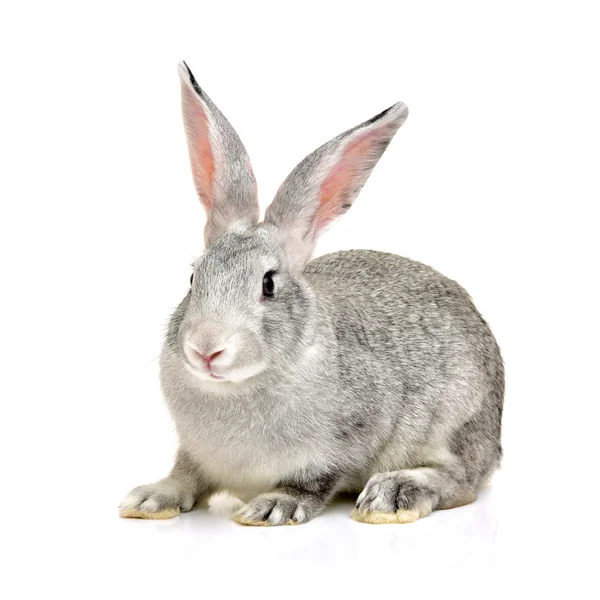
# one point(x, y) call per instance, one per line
point(491, 548)
point(455, 547)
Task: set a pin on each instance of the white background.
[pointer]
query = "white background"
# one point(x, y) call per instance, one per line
point(493, 180)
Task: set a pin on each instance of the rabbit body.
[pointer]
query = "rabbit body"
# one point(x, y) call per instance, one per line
point(401, 369)
point(359, 371)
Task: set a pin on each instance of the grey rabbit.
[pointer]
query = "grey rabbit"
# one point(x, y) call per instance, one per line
point(291, 380)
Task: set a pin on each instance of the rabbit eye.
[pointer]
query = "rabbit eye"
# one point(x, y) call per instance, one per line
point(191, 279)
point(268, 284)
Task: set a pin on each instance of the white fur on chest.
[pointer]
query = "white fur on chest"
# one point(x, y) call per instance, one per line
point(247, 471)
point(252, 448)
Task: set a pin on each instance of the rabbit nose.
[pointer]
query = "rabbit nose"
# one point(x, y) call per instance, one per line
point(202, 354)
point(208, 357)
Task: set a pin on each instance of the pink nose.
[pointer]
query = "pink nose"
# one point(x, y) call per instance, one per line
point(207, 358)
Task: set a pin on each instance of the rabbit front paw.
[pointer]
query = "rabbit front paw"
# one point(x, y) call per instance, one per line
point(276, 508)
point(161, 500)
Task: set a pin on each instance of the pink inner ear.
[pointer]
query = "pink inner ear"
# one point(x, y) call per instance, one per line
point(201, 155)
point(340, 183)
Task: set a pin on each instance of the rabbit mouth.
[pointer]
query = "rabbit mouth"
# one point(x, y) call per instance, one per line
point(216, 377)
point(204, 373)
point(233, 376)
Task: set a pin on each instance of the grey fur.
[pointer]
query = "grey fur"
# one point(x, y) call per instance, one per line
point(365, 371)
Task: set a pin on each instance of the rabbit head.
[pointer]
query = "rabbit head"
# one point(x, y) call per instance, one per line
point(249, 306)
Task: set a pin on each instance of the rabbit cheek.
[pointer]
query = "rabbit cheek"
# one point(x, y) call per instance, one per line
point(249, 358)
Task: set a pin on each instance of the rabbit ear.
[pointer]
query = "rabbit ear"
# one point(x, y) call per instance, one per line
point(221, 168)
point(324, 185)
